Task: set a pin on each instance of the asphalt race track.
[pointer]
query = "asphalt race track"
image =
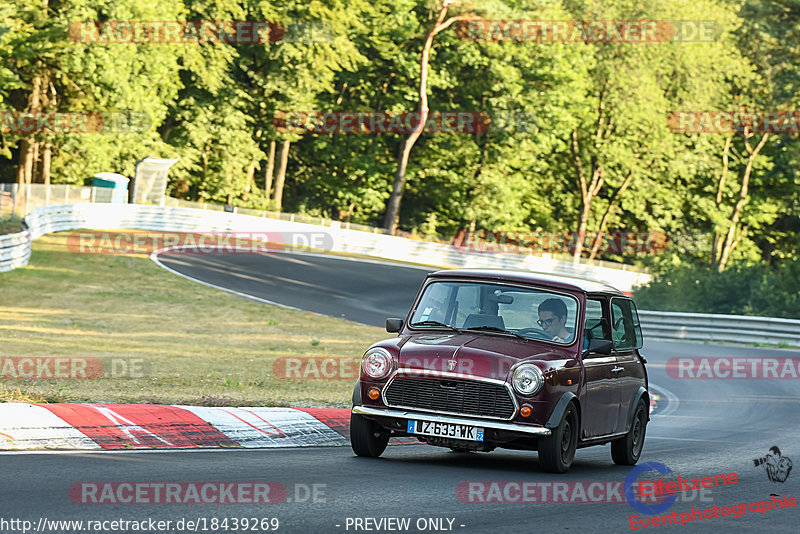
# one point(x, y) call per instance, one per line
point(365, 292)
point(700, 428)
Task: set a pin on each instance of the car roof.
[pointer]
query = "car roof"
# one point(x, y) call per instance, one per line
point(527, 277)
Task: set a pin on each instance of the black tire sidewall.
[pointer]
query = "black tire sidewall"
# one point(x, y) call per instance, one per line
point(622, 449)
point(362, 438)
point(550, 455)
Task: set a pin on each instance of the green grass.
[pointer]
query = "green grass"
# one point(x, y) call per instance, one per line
point(201, 345)
point(10, 225)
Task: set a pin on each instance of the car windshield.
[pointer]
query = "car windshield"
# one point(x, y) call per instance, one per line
point(495, 309)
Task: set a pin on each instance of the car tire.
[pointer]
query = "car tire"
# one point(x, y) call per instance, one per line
point(367, 437)
point(627, 449)
point(557, 451)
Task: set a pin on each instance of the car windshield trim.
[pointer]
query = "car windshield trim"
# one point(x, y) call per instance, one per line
point(576, 297)
point(435, 324)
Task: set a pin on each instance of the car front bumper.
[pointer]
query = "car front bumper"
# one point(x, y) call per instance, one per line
point(408, 414)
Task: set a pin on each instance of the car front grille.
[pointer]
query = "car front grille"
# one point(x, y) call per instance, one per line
point(460, 397)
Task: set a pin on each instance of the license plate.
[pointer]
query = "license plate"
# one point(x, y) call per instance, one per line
point(445, 430)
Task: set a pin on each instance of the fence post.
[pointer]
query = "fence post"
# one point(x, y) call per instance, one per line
point(14, 188)
point(27, 198)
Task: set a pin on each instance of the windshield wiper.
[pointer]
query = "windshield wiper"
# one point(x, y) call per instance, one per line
point(436, 323)
point(494, 329)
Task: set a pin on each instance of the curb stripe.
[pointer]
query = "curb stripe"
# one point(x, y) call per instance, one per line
point(30, 426)
point(135, 426)
point(89, 426)
point(270, 427)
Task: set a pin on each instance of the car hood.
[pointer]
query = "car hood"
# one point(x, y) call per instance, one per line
point(469, 354)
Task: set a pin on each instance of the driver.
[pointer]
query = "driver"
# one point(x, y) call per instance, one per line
point(553, 318)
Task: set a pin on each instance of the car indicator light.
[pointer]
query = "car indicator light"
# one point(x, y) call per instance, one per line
point(374, 393)
point(525, 411)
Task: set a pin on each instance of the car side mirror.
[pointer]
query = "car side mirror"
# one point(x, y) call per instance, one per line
point(394, 325)
point(599, 346)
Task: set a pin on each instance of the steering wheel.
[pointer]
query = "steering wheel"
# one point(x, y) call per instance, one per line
point(532, 331)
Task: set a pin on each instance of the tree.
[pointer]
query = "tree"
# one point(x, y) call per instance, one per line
point(47, 69)
point(622, 137)
point(441, 23)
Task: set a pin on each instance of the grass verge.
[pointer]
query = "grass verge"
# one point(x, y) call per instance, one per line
point(199, 345)
point(10, 225)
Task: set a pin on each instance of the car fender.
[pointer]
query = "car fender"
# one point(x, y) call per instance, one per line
point(357, 394)
point(560, 408)
point(640, 393)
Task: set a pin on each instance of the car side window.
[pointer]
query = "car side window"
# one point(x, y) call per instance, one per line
point(595, 326)
point(626, 331)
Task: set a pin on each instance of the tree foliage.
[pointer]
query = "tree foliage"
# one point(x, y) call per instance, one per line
point(579, 139)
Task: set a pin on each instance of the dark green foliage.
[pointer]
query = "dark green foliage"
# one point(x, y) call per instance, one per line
point(741, 289)
point(212, 105)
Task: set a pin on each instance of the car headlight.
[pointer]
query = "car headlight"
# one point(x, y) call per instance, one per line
point(528, 379)
point(377, 363)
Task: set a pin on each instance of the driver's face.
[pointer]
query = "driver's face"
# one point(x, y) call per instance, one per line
point(551, 323)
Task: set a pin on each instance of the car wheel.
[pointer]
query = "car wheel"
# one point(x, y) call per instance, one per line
point(627, 449)
point(367, 437)
point(557, 451)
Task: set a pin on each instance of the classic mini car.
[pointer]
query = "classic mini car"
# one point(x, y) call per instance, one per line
point(489, 359)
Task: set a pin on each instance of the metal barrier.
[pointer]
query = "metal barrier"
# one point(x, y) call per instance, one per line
point(710, 328)
point(15, 252)
point(177, 219)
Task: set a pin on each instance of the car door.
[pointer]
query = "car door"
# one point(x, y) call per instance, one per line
point(628, 371)
point(601, 406)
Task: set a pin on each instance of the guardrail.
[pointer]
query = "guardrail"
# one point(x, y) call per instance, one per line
point(176, 219)
point(703, 327)
point(15, 252)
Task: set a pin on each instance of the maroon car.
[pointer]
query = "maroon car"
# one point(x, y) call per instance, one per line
point(517, 360)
